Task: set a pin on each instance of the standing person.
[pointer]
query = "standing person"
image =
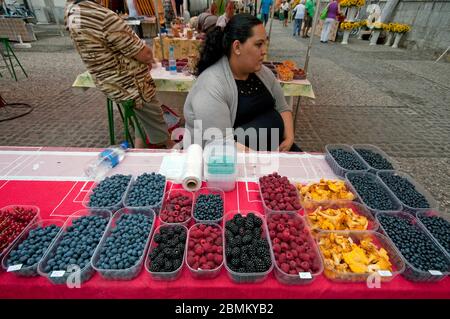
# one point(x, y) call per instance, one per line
point(333, 12)
point(285, 8)
point(224, 18)
point(119, 62)
point(264, 9)
point(298, 14)
point(309, 17)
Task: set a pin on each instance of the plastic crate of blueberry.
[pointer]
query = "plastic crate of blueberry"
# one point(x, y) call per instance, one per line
point(147, 190)
point(247, 249)
point(109, 193)
point(412, 196)
point(424, 259)
point(166, 254)
point(23, 257)
point(74, 246)
point(121, 252)
point(372, 192)
point(438, 226)
point(374, 157)
point(209, 205)
point(342, 159)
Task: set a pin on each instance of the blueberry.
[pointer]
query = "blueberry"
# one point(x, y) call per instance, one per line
point(347, 160)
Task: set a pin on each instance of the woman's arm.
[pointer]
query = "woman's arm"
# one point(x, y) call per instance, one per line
point(288, 136)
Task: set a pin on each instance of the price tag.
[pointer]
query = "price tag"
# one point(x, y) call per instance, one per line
point(435, 272)
point(384, 273)
point(305, 275)
point(57, 273)
point(14, 267)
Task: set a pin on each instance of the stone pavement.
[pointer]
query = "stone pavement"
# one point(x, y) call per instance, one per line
point(396, 99)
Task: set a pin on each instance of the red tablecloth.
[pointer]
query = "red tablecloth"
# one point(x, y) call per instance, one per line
point(60, 199)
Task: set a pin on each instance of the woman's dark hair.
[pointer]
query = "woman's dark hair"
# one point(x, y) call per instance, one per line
point(218, 43)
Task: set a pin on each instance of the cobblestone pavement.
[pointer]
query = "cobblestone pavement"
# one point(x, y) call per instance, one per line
point(396, 99)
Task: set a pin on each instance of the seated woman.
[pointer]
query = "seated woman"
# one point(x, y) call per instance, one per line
point(235, 94)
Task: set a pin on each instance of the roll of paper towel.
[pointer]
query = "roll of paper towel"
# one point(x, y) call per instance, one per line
point(193, 168)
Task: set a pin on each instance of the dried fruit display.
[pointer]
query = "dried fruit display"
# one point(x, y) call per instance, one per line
point(343, 255)
point(325, 190)
point(337, 219)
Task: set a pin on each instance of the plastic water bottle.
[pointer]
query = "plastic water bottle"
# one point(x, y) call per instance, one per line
point(172, 62)
point(106, 160)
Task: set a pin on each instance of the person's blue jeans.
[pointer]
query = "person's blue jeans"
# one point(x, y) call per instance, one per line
point(265, 17)
point(297, 26)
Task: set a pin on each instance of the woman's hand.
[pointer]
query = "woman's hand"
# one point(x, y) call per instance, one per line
point(286, 145)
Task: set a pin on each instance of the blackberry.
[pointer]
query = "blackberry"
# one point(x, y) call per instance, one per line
point(249, 223)
point(238, 220)
point(260, 265)
point(235, 252)
point(237, 241)
point(154, 267)
point(258, 222)
point(261, 251)
point(168, 266)
point(247, 239)
point(235, 262)
point(232, 227)
point(241, 231)
point(242, 270)
point(257, 232)
point(250, 266)
point(245, 258)
point(228, 250)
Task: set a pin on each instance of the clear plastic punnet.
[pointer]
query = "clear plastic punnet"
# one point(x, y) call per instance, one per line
point(112, 208)
point(238, 277)
point(133, 271)
point(203, 273)
point(62, 275)
point(209, 191)
point(411, 272)
point(375, 150)
point(220, 169)
point(156, 208)
point(10, 208)
point(163, 275)
point(171, 194)
point(397, 205)
point(376, 272)
point(306, 202)
point(358, 209)
point(30, 270)
point(268, 210)
point(301, 278)
point(431, 201)
point(338, 169)
point(443, 243)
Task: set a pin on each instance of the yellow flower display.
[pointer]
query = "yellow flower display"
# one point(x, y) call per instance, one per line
point(348, 25)
point(399, 27)
point(352, 3)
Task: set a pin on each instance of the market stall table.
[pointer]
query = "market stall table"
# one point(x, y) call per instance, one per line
point(52, 179)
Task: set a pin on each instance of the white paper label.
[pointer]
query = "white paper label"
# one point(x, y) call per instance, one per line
point(435, 272)
point(384, 273)
point(57, 273)
point(305, 275)
point(14, 267)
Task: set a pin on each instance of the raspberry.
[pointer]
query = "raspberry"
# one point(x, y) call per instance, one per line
point(304, 257)
point(305, 265)
point(277, 248)
point(210, 257)
point(218, 259)
point(198, 250)
point(285, 267)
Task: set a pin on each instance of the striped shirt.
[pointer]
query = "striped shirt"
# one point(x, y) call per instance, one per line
point(107, 46)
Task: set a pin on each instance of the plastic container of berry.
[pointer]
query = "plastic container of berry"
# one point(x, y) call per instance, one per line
point(208, 191)
point(113, 207)
point(440, 239)
point(203, 273)
point(164, 275)
point(133, 271)
point(28, 270)
point(376, 150)
point(357, 208)
point(338, 169)
point(61, 276)
point(411, 272)
point(251, 277)
point(433, 204)
point(302, 277)
point(380, 241)
point(165, 206)
point(268, 210)
point(8, 210)
point(156, 207)
point(396, 204)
